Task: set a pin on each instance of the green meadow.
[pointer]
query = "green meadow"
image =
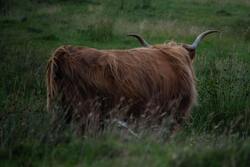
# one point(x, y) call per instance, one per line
point(218, 132)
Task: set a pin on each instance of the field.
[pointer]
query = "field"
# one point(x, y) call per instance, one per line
point(218, 133)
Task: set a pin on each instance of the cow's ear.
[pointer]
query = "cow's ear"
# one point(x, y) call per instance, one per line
point(191, 51)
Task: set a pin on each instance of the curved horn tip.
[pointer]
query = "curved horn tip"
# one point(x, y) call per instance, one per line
point(133, 34)
point(214, 30)
point(140, 39)
point(211, 31)
point(200, 37)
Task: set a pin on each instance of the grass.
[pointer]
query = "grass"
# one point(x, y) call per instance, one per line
point(217, 133)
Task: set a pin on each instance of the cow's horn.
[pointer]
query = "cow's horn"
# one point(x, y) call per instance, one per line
point(199, 38)
point(140, 39)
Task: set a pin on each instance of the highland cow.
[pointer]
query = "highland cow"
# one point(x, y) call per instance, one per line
point(154, 80)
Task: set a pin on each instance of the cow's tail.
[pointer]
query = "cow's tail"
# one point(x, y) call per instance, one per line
point(50, 82)
point(52, 73)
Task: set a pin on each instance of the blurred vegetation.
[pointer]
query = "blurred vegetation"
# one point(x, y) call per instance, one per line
point(217, 133)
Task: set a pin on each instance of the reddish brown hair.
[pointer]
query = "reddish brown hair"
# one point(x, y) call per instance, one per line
point(159, 76)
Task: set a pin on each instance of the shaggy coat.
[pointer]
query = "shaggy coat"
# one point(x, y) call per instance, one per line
point(159, 79)
point(150, 82)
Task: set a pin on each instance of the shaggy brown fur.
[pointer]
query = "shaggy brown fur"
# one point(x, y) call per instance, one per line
point(158, 80)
